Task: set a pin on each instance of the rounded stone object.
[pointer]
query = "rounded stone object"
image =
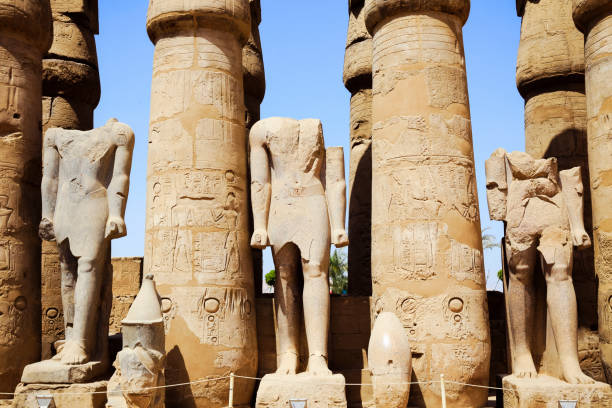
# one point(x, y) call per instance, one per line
point(30, 20)
point(588, 12)
point(377, 10)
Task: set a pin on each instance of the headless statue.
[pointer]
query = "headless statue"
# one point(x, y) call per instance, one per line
point(298, 214)
point(84, 192)
point(543, 211)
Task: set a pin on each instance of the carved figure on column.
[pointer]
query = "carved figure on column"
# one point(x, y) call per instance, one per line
point(84, 189)
point(299, 214)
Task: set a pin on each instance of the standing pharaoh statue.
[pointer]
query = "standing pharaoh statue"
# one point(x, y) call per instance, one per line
point(299, 201)
point(543, 211)
point(84, 192)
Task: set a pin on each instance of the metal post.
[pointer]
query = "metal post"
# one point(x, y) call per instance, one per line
point(231, 391)
point(443, 390)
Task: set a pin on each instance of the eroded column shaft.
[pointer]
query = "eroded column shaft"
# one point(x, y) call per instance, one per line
point(550, 77)
point(25, 33)
point(71, 91)
point(427, 262)
point(358, 81)
point(594, 19)
point(197, 225)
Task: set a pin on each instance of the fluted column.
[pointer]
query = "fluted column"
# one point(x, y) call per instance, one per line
point(426, 242)
point(25, 36)
point(594, 19)
point(71, 91)
point(358, 81)
point(197, 223)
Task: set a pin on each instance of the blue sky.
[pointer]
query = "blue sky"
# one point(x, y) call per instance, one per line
point(303, 45)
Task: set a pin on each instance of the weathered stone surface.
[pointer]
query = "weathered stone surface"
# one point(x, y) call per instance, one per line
point(197, 224)
point(89, 395)
point(550, 76)
point(358, 80)
point(546, 392)
point(25, 35)
point(127, 274)
point(298, 214)
point(594, 18)
point(55, 372)
point(71, 91)
point(426, 242)
point(320, 391)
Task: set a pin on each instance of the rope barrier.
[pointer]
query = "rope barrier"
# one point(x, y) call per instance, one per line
point(442, 381)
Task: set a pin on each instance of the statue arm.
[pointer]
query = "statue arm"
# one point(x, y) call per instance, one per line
point(49, 185)
point(261, 189)
point(573, 190)
point(120, 184)
point(335, 190)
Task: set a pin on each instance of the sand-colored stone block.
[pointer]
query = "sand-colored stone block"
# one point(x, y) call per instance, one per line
point(91, 395)
point(275, 391)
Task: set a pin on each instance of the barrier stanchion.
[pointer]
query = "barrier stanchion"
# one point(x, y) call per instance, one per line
point(443, 390)
point(231, 391)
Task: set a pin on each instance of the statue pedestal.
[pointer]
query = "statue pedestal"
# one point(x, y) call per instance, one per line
point(326, 391)
point(64, 395)
point(546, 392)
point(54, 372)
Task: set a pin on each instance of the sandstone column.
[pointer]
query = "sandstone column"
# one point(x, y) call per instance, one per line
point(197, 226)
point(71, 91)
point(25, 35)
point(254, 77)
point(550, 76)
point(594, 19)
point(426, 246)
point(358, 80)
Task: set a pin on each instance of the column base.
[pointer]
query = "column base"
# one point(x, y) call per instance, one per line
point(64, 395)
point(546, 392)
point(327, 391)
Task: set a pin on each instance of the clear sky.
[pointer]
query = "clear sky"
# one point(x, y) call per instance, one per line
point(303, 45)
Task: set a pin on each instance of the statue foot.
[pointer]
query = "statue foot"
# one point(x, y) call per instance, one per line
point(317, 365)
point(288, 364)
point(60, 349)
point(578, 377)
point(74, 353)
point(524, 367)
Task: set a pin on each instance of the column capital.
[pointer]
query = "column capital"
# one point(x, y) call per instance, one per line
point(30, 20)
point(588, 12)
point(379, 10)
point(174, 16)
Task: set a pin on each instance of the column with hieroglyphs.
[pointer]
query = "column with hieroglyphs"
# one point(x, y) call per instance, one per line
point(550, 77)
point(25, 36)
point(358, 81)
point(426, 242)
point(197, 223)
point(594, 19)
point(71, 91)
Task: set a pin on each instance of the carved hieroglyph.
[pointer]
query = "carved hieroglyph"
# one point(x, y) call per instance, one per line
point(254, 91)
point(543, 212)
point(594, 19)
point(197, 225)
point(426, 246)
point(358, 81)
point(85, 185)
point(71, 91)
point(550, 76)
point(299, 214)
point(138, 381)
point(25, 36)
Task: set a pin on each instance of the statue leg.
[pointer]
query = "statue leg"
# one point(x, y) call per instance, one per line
point(87, 298)
point(287, 307)
point(562, 309)
point(68, 269)
point(521, 301)
point(316, 311)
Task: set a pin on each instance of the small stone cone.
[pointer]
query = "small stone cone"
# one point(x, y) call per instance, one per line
point(146, 308)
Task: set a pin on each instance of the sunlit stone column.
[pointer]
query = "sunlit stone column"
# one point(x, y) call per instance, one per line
point(25, 36)
point(426, 242)
point(197, 224)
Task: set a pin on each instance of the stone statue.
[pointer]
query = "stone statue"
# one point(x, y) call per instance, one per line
point(84, 192)
point(543, 212)
point(298, 192)
point(139, 376)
